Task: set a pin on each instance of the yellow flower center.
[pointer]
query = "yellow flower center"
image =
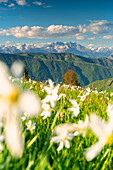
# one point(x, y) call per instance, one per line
point(110, 139)
point(83, 129)
point(65, 138)
point(13, 97)
point(30, 127)
point(48, 110)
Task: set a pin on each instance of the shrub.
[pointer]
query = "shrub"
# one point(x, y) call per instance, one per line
point(70, 78)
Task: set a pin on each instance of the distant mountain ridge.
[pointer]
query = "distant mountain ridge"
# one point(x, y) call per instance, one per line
point(110, 56)
point(43, 66)
point(57, 47)
point(102, 85)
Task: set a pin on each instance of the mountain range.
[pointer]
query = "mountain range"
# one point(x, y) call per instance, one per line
point(43, 66)
point(57, 47)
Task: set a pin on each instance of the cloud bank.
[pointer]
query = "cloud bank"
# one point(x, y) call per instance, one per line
point(21, 2)
point(42, 4)
point(53, 31)
point(107, 37)
point(100, 27)
point(24, 2)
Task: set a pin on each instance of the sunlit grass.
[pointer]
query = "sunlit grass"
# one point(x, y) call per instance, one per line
point(37, 141)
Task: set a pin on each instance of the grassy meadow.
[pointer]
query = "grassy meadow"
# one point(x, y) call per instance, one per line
point(39, 150)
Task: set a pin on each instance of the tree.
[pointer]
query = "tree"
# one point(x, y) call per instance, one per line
point(26, 74)
point(70, 78)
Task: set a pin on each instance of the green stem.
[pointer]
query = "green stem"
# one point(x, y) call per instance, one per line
point(47, 146)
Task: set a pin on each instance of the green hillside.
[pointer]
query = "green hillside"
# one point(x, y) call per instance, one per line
point(101, 85)
point(54, 65)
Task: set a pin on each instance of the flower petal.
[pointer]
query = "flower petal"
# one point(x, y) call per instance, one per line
point(29, 103)
point(50, 83)
point(76, 133)
point(72, 109)
point(3, 108)
point(53, 103)
point(13, 136)
point(70, 136)
point(76, 112)
point(73, 102)
point(92, 151)
point(55, 139)
point(97, 125)
point(46, 100)
point(47, 89)
point(55, 90)
point(67, 145)
point(1, 138)
point(60, 146)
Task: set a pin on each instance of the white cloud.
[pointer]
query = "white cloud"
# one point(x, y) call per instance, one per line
point(24, 2)
point(41, 4)
point(91, 38)
point(59, 31)
point(21, 2)
point(107, 37)
point(99, 27)
point(7, 42)
point(53, 31)
point(11, 5)
point(90, 45)
point(79, 37)
point(38, 3)
point(48, 6)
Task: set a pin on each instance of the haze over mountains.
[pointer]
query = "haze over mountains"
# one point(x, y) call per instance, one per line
point(57, 47)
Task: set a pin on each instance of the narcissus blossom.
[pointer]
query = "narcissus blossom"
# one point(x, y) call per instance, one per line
point(52, 93)
point(110, 110)
point(82, 98)
point(82, 127)
point(46, 110)
point(63, 135)
point(74, 108)
point(30, 126)
point(103, 131)
point(13, 102)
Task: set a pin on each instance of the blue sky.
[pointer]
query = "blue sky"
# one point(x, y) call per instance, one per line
point(89, 23)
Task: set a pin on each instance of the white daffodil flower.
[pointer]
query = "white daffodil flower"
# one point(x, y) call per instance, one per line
point(74, 108)
point(24, 116)
point(103, 131)
point(46, 110)
point(82, 126)
point(95, 91)
point(62, 137)
point(51, 93)
point(82, 98)
point(30, 126)
point(60, 96)
point(88, 91)
point(111, 94)
point(110, 110)
point(12, 103)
